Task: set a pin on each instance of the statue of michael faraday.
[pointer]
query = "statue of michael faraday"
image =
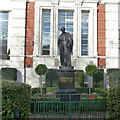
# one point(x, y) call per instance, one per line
point(66, 82)
point(65, 45)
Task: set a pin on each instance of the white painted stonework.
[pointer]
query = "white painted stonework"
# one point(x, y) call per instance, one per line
point(16, 35)
point(112, 34)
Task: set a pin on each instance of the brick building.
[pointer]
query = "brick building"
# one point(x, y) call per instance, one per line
point(30, 29)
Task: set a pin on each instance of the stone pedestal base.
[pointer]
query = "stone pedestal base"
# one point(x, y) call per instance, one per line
point(66, 83)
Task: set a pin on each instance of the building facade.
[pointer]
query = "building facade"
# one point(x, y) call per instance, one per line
point(30, 30)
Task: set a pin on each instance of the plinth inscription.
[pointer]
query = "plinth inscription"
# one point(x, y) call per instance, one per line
point(66, 79)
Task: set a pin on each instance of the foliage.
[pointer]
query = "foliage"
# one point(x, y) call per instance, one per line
point(101, 91)
point(98, 78)
point(84, 90)
point(15, 95)
point(51, 89)
point(9, 74)
point(38, 90)
point(46, 98)
point(113, 103)
point(52, 103)
point(90, 69)
point(41, 69)
point(79, 78)
point(113, 77)
point(51, 78)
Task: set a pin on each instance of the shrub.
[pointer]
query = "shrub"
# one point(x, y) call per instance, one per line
point(15, 95)
point(41, 70)
point(38, 90)
point(9, 74)
point(51, 89)
point(101, 91)
point(79, 78)
point(51, 78)
point(113, 77)
point(90, 70)
point(98, 78)
point(113, 103)
point(84, 90)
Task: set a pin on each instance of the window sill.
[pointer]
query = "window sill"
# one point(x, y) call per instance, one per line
point(5, 62)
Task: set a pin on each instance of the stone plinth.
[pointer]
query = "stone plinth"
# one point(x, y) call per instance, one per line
point(66, 83)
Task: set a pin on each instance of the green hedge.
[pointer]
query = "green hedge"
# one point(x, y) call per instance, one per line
point(46, 90)
point(101, 91)
point(15, 95)
point(79, 78)
point(38, 90)
point(113, 103)
point(51, 89)
point(9, 74)
point(51, 78)
point(98, 78)
point(113, 76)
point(84, 90)
point(81, 90)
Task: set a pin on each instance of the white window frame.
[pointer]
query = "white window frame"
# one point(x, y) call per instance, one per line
point(9, 18)
point(74, 28)
point(90, 32)
point(40, 30)
point(92, 39)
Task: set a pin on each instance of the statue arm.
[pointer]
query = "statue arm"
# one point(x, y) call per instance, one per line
point(59, 42)
point(70, 43)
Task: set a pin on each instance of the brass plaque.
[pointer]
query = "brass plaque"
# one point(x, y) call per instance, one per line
point(66, 79)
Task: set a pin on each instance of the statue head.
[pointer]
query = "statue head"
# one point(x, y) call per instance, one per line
point(62, 29)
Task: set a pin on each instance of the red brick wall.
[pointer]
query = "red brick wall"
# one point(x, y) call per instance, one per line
point(29, 32)
point(29, 62)
point(101, 62)
point(101, 49)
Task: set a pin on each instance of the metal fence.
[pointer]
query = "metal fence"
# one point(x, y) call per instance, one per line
point(67, 106)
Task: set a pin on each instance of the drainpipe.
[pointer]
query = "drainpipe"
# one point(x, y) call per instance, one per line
point(25, 44)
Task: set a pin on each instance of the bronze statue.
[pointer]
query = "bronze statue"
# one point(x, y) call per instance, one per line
point(65, 44)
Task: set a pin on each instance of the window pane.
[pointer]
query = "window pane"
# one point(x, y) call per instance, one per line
point(84, 47)
point(3, 34)
point(45, 32)
point(84, 42)
point(84, 36)
point(65, 19)
point(3, 15)
point(85, 53)
point(84, 32)
point(4, 30)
